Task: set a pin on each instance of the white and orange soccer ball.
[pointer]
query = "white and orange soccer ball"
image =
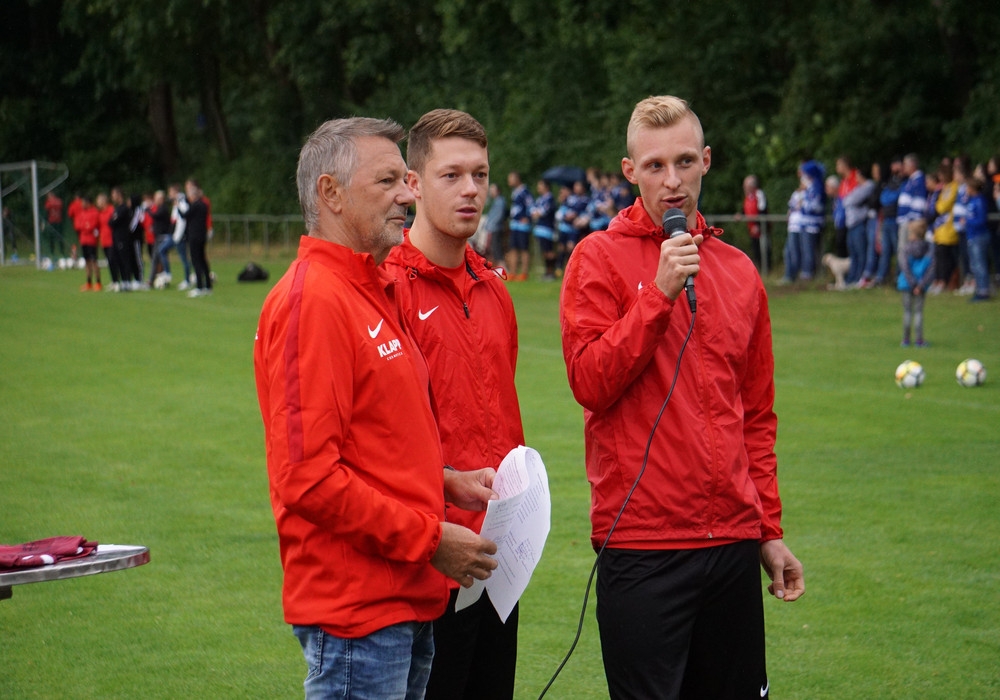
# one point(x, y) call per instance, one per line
point(910, 374)
point(970, 372)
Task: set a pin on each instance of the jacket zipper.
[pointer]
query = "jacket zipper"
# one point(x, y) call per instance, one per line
point(468, 268)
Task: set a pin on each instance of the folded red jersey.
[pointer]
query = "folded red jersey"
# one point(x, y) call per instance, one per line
point(42, 552)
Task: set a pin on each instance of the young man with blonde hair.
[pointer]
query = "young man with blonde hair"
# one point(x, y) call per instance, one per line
point(679, 603)
point(462, 319)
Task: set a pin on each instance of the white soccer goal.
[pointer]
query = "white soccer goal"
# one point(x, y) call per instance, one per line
point(14, 177)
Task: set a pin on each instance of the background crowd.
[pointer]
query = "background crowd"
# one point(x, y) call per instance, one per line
point(855, 221)
point(135, 234)
point(565, 207)
point(872, 215)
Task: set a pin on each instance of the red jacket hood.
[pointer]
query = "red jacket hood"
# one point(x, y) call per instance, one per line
point(636, 221)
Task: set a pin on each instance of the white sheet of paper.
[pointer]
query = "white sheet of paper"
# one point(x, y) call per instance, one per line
point(519, 524)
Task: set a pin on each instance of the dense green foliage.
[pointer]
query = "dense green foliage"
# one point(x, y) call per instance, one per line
point(147, 90)
point(132, 419)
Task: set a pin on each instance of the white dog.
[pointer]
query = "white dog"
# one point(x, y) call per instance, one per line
point(839, 268)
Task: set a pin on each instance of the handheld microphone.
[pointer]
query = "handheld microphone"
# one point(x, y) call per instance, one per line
point(674, 224)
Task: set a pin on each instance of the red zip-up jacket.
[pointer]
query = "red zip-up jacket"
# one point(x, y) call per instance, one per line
point(469, 338)
point(86, 222)
point(104, 225)
point(353, 455)
point(712, 472)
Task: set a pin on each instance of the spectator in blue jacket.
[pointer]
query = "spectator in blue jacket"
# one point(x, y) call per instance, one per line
point(518, 260)
point(806, 213)
point(912, 196)
point(977, 236)
point(889, 208)
point(543, 214)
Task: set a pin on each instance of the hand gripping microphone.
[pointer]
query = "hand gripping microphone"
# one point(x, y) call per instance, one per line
point(674, 224)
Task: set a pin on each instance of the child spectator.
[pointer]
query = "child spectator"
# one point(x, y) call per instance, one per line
point(916, 272)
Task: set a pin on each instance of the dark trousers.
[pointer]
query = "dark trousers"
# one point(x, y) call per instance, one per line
point(200, 262)
point(945, 262)
point(138, 262)
point(114, 269)
point(759, 251)
point(125, 258)
point(683, 623)
point(474, 653)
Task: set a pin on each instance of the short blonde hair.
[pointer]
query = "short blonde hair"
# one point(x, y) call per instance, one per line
point(657, 112)
point(917, 228)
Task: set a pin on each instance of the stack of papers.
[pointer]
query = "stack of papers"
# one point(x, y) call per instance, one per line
point(519, 524)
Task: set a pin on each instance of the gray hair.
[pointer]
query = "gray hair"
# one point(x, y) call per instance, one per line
point(331, 150)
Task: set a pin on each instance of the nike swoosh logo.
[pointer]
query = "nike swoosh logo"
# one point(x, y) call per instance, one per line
point(423, 316)
point(640, 286)
point(374, 333)
point(764, 688)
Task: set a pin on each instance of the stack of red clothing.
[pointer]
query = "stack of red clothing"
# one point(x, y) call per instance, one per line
point(42, 552)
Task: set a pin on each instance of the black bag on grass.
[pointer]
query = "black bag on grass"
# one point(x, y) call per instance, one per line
point(252, 273)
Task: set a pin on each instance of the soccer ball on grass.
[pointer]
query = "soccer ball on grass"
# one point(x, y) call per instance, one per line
point(909, 375)
point(970, 372)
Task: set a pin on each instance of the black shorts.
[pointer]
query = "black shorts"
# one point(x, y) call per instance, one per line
point(683, 623)
point(89, 252)
point(519, 240)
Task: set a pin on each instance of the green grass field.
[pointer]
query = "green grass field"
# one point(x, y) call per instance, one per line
point(132, 419)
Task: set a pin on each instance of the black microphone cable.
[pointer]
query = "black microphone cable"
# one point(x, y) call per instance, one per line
point(628, 497)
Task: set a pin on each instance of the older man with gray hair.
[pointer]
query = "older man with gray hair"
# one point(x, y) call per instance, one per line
point(357, 481)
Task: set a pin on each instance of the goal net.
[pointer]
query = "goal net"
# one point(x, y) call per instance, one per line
point(22, 187)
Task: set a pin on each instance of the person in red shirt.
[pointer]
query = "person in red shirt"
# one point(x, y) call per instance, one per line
point(71, 211)
point(754, 205)
point(462, 319)
point(147, 223)
point(105, 212)
point(86, 221)
point(684, 510)
point(357, 479)
point(54, 229)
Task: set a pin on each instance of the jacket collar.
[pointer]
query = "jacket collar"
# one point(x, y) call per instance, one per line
point(635, 221)
point(416, 263)
point(340, 258)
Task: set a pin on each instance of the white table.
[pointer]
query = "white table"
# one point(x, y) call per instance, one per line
point(108, 557)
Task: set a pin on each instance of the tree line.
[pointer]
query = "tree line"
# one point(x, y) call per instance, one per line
point(151, 91)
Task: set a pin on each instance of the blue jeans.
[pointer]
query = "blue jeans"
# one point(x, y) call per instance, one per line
point(810, 249)
point(871, 258)
point(163, 248)
point(979, 264)
point(995, 246)
point(793, 254)
point(392, 663)
point(890, 242)
point(857, 251)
